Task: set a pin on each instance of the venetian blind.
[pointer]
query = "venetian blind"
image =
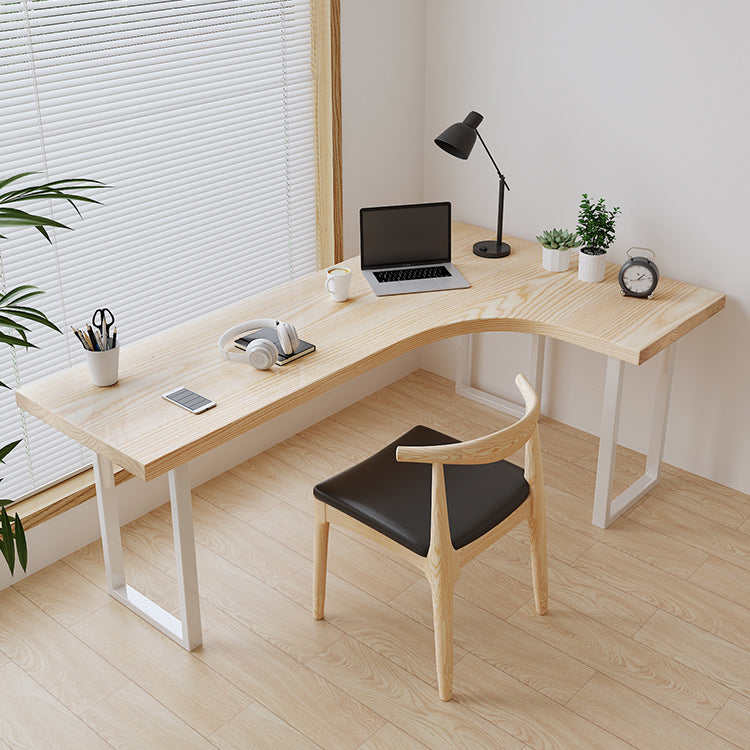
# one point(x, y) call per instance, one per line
point(200, 115)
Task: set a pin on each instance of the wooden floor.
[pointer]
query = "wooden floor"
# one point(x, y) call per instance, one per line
point(646, 645)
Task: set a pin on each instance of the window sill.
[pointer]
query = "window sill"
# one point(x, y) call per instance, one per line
point(56, 500)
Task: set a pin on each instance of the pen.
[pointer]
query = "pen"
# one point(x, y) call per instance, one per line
point(80, 337)
point(92, 339)
point(114, 337)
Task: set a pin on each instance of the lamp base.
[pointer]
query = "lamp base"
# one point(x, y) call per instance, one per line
point(491, 249)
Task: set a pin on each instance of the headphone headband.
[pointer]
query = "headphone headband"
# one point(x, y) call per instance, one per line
point(285, 332)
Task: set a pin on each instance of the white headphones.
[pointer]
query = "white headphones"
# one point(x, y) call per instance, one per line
point(260, 353)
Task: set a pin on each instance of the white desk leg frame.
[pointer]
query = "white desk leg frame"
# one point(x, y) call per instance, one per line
point(186, 630)
point(466, 389)
point(607, 508)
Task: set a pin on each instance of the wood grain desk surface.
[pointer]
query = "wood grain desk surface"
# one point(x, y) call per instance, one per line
point(132, 425)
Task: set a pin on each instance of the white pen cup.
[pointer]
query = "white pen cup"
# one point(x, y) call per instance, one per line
point(103, 366)
point(337, 283)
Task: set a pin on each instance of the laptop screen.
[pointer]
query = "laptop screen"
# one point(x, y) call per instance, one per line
point(405, 235)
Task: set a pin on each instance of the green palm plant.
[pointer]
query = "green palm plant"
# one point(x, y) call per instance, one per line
point(16, 314)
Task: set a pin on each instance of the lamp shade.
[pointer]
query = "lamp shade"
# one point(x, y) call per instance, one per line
point(459, 139)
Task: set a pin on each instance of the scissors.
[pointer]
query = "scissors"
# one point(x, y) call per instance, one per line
point(103, 319)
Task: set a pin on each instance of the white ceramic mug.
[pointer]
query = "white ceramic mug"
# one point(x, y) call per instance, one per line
point(103, 366)
point(337, 283)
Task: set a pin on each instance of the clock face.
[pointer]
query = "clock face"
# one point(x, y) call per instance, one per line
point(638, 278)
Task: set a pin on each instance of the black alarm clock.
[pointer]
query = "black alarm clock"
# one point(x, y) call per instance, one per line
point(638, 275)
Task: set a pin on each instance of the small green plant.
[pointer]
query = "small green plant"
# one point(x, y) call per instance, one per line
point(558, 239)
point(596, 225)
point(15, 312)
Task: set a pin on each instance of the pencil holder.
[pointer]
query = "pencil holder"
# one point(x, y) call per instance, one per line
point(103, 366)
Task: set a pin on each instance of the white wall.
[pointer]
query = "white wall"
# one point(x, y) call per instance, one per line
point(382, 91)
point(644, 103)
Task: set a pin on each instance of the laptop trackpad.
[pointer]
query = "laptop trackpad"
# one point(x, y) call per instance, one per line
point(419, 285)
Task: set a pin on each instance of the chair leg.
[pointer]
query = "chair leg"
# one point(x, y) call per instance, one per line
point(320, 560)
point(538, 540)
point(442, 585)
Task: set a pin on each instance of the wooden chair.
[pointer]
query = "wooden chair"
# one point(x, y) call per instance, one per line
point(475, 498)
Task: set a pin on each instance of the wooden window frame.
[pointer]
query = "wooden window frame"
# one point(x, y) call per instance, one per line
point(327, 71)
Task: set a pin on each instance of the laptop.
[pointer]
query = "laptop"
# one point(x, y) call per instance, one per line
point(406, 249)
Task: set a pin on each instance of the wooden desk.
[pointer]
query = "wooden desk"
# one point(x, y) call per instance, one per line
point(131, 426)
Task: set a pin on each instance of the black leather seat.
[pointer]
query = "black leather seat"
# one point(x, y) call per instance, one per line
point(394, 498)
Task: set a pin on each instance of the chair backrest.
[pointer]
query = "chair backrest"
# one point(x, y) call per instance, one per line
point(487, 449)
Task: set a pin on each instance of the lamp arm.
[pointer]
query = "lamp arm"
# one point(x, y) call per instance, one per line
point(494, 163)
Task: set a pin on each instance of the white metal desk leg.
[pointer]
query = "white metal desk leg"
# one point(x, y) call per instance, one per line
point(184, 547)
point(466, 389)
point(607, 509)
point(660, 412)
point(463, 363)
point(109, 523)
point(537, 363)
point(186, 630)
point(608, 442)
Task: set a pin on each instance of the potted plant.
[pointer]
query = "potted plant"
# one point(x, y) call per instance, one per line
point(556, 244)
point(16, 314)
point(596, 225)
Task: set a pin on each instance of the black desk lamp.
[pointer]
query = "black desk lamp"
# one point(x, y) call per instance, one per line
point(458, 140)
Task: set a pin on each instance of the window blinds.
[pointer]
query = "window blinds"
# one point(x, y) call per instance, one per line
point(200, 115)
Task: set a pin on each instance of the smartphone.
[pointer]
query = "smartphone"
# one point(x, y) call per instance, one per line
point(189, 400)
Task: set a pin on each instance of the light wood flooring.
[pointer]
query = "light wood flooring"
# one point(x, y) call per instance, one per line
point(646, 645)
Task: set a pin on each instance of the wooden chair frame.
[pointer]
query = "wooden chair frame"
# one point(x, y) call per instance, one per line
point(443, 563)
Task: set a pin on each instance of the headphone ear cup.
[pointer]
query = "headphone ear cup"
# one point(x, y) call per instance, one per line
point(288, 337)
point(262, 354)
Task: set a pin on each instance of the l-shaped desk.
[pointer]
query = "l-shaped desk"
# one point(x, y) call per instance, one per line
point(130, 425)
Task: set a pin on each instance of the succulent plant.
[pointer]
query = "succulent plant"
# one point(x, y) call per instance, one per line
point(558, 239)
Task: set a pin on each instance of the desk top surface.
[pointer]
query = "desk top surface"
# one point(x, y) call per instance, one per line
point(132, 425)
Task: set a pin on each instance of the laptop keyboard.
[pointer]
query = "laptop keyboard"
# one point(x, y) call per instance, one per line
point(411, 274)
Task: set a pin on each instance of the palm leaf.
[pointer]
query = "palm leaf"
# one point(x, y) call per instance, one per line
point(77, 182)
point(23, 298)
point(7, 545)
point(14, 217)
point(8, 323)
point(23, 195)
point(23, 553)
point(15, 177)
point(28, 313)
point(6, 449)
point(18, 293)
point(6, 338)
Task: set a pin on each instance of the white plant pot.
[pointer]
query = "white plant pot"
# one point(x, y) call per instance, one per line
point(555, 260)
point(591, 267)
